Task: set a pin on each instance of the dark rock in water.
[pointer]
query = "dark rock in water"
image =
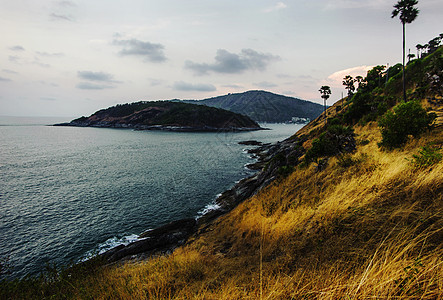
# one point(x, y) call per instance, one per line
point(184, 225)
point(251, 143)
point(161, 239)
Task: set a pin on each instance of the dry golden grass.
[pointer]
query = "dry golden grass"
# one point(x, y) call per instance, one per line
point(369, 230)
point(372, 230)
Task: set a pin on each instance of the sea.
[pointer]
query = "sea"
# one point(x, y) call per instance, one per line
point(68, 193)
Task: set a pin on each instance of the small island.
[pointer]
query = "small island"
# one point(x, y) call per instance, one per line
point(166, 115)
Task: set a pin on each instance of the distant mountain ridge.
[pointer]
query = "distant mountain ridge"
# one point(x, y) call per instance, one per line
point(263, 106)
point(166, 115)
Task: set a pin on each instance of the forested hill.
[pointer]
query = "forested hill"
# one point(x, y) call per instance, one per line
point(166, 115)
point(263, 106)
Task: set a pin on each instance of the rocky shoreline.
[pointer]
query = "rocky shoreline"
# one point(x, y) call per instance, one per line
point(160, 127)
point(163, 240)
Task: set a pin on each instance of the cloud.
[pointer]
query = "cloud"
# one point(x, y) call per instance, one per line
point(283, 76)
point(352, 4)
point(61, 17)
point(148, 51)
point(17, 48)
point(46, 54)
point(202, 87)
point(96, 76)
point(265, 84)
point(231, 63)
point(156, 82)
point(96, 80)
point(233, 86)
point(278, 6)
point(40, 64)
point(9, 71)
point(66, 4)
point(2, 79)
point(93, 86)
point(336, 78)
point(14, 58)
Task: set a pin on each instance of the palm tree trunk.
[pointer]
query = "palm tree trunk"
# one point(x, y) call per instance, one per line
point(403, 77)
point(324, 101)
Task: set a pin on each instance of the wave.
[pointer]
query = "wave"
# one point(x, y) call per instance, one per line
point(109, 244)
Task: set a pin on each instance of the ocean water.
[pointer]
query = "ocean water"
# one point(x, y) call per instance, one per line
point(67, 193)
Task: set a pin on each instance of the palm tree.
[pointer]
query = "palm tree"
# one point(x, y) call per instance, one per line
point(325, 91)
point(419, 48)
point(348, 82)
point(359, 80)
point(407, 13)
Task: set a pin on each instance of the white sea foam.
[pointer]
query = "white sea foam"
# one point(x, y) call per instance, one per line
point(208, 208)
point(109, 244)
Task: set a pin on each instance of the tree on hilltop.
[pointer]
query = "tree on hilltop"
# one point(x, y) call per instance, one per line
point(325, 91)
point(419, 47)
point(407, 13)
point(348, 82)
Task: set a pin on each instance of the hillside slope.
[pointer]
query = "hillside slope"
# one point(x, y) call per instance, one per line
point(264, 106)
point(363, 223)
point(165, 115)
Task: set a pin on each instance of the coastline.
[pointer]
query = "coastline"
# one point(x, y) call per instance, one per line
point(164, 239)
point(162, 127)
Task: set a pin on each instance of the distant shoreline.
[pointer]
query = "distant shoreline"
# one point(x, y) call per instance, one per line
point(165, 127)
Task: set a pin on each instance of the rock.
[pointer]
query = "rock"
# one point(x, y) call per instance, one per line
point(250, 143)
point(162, 239)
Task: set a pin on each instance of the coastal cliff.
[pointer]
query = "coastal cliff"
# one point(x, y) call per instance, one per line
point(166, 115)
point(340, 210)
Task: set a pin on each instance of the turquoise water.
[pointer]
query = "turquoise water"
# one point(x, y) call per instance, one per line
point(68, 192)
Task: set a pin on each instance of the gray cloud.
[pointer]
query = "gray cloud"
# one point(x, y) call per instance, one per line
point(265, 84)
point(156, 82)
point(93, 86)
point(226, 62)
point(2, 79)
point(96, 80)
point(148, 51)
point(17, 48)
point(202, 87)
point(61, 17)
point(9, 71)
point(14, 58)
point(96, 76)
point(284, 76)
point(46, 54)
point(40, 64)
point(66, 4)
point(233, 86)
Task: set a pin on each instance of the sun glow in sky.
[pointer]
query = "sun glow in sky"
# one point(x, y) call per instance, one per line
point(73, 57)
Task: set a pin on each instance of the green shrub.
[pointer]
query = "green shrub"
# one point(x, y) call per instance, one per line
point(284, 171)
point(337, 139)
point(427, 156)
point(406, 119)
point(334, 121)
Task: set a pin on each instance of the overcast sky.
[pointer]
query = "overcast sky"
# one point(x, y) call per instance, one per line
point(73, 57)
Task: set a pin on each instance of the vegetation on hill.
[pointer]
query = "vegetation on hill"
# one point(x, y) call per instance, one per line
point(264, 106)
point(352, 220)
point(144, 114)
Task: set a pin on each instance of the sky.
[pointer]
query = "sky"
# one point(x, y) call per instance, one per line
point(73, 57)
